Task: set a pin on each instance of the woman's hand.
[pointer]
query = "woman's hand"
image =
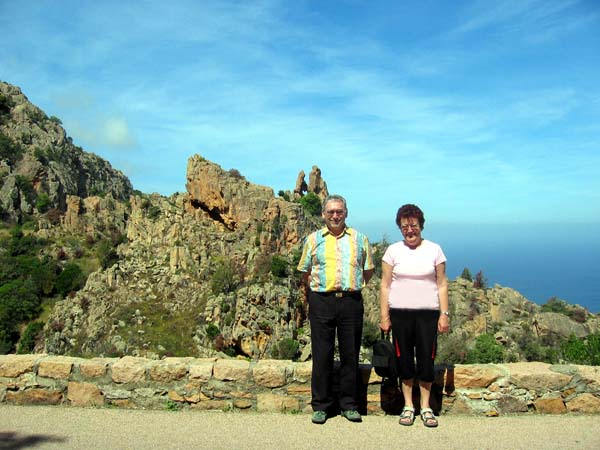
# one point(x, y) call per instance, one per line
point(385, 325)
point(443, 323)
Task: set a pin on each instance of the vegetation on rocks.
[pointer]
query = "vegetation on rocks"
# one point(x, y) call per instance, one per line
point(88, 267)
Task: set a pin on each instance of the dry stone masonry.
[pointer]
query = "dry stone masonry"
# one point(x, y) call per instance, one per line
point(284, 386)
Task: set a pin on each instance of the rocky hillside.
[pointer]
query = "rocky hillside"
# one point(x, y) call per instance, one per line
point(206, 272)
point(39, 164)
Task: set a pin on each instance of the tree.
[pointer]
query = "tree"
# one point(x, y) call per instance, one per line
point(18, 303)
point(311, 203)
point(286, 348)
point(284, 195)
point(574, 350)
point(582, 351)
point(107, 254)
point(9, 150)
point(480, 281)
point(70, 279)
point(30, 335)
point(466, 274)
point(279, 266)
point(43, 203)
point(556, 305)
point(222, 280)
point(378, 253)
point(485, 351)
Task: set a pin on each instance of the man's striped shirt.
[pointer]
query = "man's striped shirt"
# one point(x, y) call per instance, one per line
point(336, 263)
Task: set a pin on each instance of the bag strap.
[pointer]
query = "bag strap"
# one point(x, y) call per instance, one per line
point(385, 335)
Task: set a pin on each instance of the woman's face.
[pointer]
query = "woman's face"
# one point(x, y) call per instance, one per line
point(411, 231)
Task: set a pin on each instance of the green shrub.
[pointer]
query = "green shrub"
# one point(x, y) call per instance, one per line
point(582, 351)
point(18, 303)
point(311, 203)
point(230, 351)
point(480, 281)
point(235, 174)
point(9, 150)
point(485, 351)
point(41, 272)
point(286, 348)
point(212, 331)
point(279, 266)
point(106, 253)
point(451, 349)
point(70, 279)
point(577, 314)
point(466, 275)
point(534, 351)
point(171, 405)
point(7, 340)
point(378, 253)
point(223, 279)
point(43, 203)
point(370, 333)
point(152, 212)
point(25, 185)
point(21, 244)
point(5, 106)
point(556, 305)
point(29, 336)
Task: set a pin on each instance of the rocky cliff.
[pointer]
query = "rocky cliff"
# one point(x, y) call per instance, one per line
point(197, 267)
point(208, 272)
point(196, 278)
point(39, 164)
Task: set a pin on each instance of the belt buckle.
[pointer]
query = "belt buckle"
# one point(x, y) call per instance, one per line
point(339, 294)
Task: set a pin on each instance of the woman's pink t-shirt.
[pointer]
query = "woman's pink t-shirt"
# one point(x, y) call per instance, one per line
point(414, 284)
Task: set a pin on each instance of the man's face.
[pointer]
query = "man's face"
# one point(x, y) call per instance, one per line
point(334, 216)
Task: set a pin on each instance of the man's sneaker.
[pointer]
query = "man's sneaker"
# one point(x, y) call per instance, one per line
point(319, 417)
point(352, 415)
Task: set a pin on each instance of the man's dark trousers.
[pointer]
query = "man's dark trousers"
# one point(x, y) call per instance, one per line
point(328, 313)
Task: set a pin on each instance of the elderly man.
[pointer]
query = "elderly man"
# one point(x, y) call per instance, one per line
point(337, 263)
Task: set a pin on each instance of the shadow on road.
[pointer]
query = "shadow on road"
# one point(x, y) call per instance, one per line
point(14, 441)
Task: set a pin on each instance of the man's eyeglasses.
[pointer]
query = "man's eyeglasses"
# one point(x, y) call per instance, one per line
point(333, 212)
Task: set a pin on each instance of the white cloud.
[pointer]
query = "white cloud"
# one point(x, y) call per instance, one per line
point(535, 21)
point(117, 133)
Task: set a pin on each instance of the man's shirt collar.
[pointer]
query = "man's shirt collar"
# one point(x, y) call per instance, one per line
point(325, 231)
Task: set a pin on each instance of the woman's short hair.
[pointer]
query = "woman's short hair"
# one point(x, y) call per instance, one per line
point(409, 211)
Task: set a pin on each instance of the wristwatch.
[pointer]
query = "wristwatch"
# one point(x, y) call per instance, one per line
point(446, 313)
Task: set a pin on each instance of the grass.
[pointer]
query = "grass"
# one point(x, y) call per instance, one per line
point(166, 332)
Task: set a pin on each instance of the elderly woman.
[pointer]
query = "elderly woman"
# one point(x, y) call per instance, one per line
point(414, 304)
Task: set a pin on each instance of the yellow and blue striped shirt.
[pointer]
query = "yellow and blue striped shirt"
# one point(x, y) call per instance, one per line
point(336, 263)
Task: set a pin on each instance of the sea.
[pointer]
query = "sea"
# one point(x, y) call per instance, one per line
point(540, 261)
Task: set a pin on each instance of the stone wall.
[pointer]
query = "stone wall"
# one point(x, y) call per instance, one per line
point(284, 386)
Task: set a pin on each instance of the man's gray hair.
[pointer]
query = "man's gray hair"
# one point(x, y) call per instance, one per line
point(334, 198)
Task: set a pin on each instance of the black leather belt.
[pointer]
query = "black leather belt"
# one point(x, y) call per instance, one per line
point(340, 294)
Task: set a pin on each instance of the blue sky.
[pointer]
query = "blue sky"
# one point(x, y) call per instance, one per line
point(481, 112)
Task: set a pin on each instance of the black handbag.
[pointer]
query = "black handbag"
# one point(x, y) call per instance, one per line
point(384, 358)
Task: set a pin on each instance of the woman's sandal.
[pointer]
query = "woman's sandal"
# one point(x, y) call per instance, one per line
point(428, 418)
point(407, 417)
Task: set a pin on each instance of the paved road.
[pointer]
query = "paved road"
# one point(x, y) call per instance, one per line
point(64, 428)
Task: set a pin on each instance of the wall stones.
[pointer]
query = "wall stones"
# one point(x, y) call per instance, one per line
point(284, 386)
point(84, 394)
point(129, 369)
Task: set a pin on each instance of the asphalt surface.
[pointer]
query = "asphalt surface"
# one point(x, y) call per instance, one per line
point(57, 427)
